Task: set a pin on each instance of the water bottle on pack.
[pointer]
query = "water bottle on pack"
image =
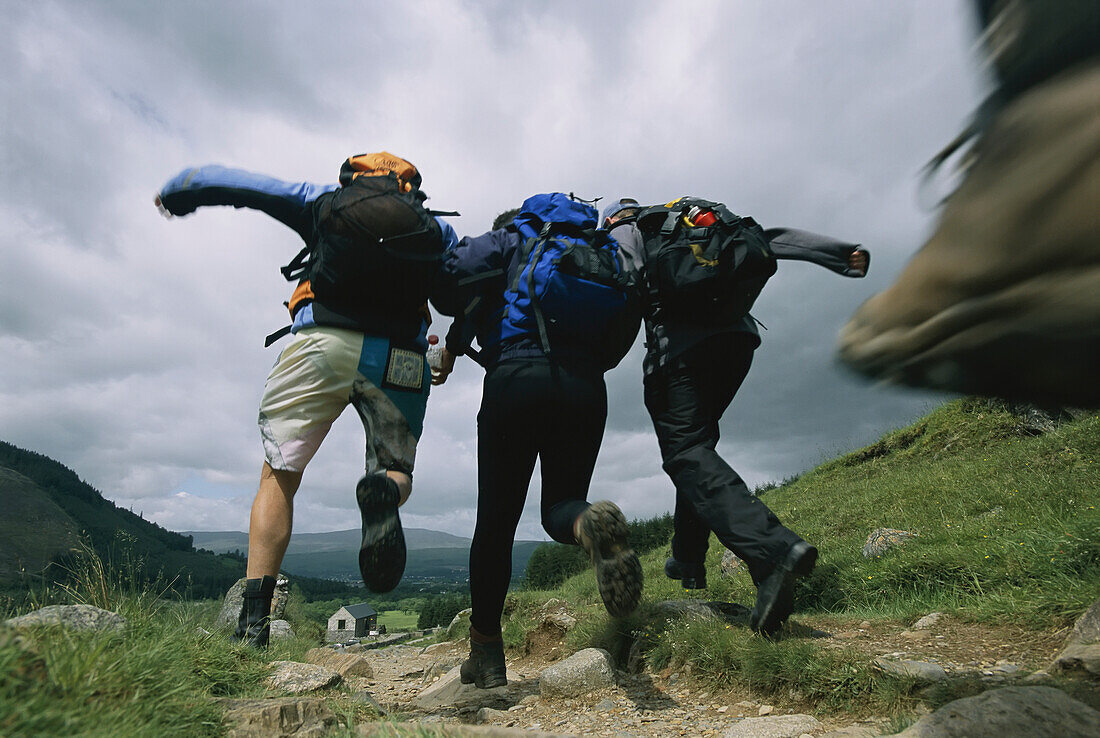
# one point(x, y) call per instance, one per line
point(434, 354)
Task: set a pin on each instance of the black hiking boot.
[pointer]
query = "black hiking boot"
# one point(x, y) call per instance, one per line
point(382, 552)
point(775, 594)
point(254, 622)
point(691, 576)
point(618, 571)
point(485, 668)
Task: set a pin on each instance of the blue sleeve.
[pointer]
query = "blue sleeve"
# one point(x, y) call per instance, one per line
point(287, 202)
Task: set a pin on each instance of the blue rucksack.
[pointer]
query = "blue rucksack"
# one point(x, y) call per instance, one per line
point(569, 283)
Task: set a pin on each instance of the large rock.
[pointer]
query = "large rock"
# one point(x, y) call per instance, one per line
point(73, 617)
point(295, 717)
point(774, 726)
point(1082, 651)
point(297, 678)
point(234, 598)
point(346, 664)
point(579, 674)
point(882, 540)
point(449, 691)
point(1010, 711)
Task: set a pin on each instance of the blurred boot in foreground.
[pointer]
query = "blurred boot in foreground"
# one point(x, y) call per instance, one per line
point(1004, 298)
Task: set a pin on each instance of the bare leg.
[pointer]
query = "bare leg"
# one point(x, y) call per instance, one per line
point(404, 484)
point(270, 523)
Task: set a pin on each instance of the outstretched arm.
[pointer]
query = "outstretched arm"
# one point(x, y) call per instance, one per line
point(849, 259)
point(287, 202)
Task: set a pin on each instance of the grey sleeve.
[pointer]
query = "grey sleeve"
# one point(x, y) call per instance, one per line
point(791, 243)
point(632, 250)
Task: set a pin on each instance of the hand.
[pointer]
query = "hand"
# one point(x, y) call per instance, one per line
point(859, 261)
point(160, 207)
point(446, 366)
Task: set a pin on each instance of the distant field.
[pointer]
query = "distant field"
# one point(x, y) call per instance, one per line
point(396, 620)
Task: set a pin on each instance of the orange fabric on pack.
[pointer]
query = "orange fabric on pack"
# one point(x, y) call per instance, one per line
point(302, 295)
point(380, 164)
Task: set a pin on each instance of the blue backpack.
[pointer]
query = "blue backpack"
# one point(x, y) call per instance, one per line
point(569, 282)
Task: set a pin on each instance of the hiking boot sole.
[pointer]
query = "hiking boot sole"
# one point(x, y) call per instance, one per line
point(1004, 298)
point(618, 572)
point(382, 552)
point(775, 600)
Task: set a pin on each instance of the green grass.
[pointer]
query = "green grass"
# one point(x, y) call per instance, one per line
point(398, 620)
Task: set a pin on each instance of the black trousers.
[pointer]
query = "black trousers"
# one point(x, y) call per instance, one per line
point(686, 400)
point(529, 410)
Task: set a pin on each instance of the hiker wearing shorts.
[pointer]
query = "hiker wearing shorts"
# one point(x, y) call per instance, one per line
point(692, 370)
point(353, 344)
point(539, 401)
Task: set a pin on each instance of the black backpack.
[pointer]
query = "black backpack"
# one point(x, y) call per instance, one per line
point(703, 263)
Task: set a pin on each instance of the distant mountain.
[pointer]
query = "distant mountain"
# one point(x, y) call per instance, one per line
point(337, 540)
point(335, 555)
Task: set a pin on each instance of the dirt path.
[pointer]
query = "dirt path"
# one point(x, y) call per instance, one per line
point(671, 702)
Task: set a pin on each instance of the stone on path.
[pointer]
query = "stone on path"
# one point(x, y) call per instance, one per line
point(928, 621)
point(73, 617)
point(579, 674)
point(920, 671)
point(345, 664)
point(773, 726)
point(1010, 711)
point(391, 730)
point(298, 678)
point(449, 691)
point(882, 540)
point(299, 717)
point(1082, 650)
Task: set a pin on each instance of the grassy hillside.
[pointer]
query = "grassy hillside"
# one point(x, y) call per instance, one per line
point(70, 507)
point(1007, 528)
point(34, 529)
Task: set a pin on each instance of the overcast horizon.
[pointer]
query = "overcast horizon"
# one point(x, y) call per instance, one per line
point(133, 345)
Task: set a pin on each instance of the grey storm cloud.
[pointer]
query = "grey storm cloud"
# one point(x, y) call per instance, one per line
point(132, 347)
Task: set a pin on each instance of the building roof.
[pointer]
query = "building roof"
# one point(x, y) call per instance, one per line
point(362, 610)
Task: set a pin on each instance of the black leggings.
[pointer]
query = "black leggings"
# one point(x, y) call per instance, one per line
point(529, 410)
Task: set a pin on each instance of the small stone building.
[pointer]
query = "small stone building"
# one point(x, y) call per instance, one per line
point(351, 621)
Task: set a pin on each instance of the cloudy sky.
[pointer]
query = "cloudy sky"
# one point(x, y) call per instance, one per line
point(131, 348)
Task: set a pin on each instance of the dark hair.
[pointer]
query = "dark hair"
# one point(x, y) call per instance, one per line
point(505, 219)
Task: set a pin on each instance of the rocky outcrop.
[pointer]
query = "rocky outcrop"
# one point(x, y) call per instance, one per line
point(922, 672)
point(73, 617)
point(1010, 711)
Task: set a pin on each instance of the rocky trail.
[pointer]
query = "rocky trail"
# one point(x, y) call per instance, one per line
point(554, 692)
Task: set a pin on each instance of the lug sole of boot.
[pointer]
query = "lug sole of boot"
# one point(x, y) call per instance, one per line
point(382, 552)
point(618, 570)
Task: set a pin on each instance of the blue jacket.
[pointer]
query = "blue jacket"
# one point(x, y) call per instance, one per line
point(290, 203)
